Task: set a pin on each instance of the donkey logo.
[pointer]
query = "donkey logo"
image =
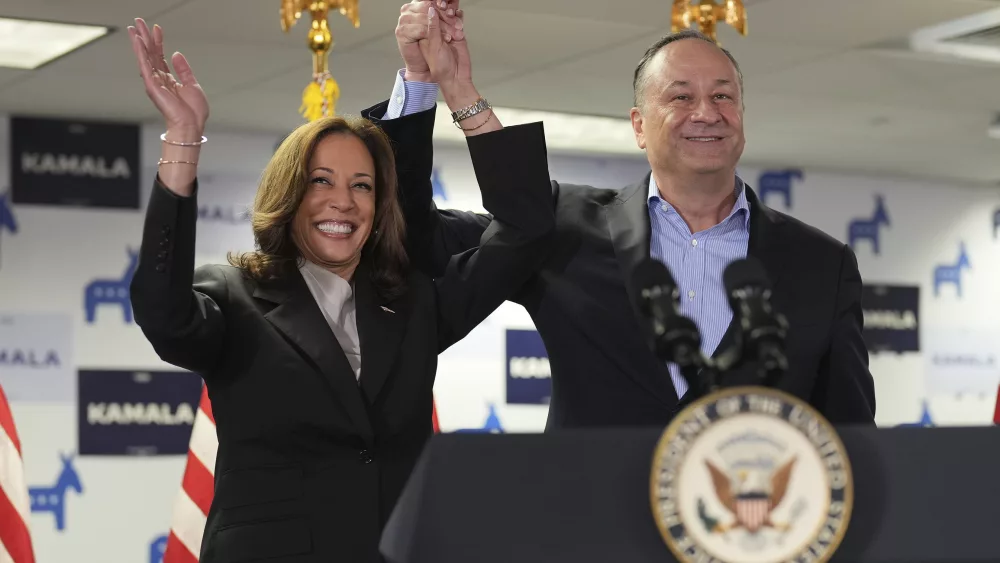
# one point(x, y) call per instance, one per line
point(952, 273)
point(491, 426)
point(779, 182)
point(438, 185)
point(157, 549)
point(868, 229)
point(7, 220)
point(114, 292)
point(53, 499)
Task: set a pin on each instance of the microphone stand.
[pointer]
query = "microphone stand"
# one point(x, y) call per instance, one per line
point(768, 353)
point(681, 344)
point(771, 363)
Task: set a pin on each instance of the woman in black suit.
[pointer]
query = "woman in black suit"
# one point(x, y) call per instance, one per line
point(316, 439)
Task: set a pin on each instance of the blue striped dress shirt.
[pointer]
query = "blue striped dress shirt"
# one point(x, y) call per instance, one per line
point(410, 97)
point(696, 260)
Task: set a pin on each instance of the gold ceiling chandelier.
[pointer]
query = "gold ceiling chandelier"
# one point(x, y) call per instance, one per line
point(705, 14)
point(320, 97)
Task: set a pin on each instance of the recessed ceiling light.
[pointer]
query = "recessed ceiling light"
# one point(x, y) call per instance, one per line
point(975, 37)
point(29, 44)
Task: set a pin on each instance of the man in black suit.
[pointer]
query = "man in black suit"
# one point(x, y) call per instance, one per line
point(693, 213)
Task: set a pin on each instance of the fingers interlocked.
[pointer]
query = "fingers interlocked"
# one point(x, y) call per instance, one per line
point(412, 26)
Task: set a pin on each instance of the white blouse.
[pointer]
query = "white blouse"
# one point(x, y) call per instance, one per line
point(335, 298)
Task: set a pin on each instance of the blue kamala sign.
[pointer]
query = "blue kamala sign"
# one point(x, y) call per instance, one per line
point(529, 381)
point(137, 413)
point(892, 318)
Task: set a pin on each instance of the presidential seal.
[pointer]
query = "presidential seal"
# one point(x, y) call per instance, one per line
point(751, 475)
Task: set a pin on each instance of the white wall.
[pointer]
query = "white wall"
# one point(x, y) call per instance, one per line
point(126, 501)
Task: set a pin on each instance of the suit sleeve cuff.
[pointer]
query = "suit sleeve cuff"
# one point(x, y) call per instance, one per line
point(410, 97)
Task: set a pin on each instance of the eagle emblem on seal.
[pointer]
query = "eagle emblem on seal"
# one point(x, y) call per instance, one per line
point(749, 495)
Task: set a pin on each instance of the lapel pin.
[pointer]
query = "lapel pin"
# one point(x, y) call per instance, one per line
point(387, 310)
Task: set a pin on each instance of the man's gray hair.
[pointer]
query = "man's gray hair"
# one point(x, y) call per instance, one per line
point(641, 78)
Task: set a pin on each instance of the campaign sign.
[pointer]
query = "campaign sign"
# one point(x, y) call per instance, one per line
point(962, 361)
point(224, 210)
point(137, 412)
point(892, 318)
point(36, 357)
point(74, 162)
point(529, 381)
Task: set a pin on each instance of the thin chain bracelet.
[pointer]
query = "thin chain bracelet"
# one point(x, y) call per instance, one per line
point(203, 140)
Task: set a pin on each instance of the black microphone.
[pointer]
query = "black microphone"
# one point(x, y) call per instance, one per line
point(675, 337)
point(763, 329)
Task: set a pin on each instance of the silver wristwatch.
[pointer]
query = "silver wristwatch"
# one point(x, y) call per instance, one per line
point(480, 106)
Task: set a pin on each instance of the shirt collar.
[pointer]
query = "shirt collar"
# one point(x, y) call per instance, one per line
point(739, 189)
point(335, 288)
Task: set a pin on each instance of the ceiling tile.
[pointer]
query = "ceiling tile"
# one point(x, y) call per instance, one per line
point(851, 23)
point(860, 76)
point(645, 13)
point(258, 22)
point(602, 83)
point(541, 39)
point(881, 138)
point(103, 12)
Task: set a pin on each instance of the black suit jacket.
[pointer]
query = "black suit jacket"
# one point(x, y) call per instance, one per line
point(603, 371)
point(310, 464)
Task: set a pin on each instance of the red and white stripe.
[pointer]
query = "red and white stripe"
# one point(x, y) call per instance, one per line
point(198, 487)
point(15, 507)
point(434, 416)
point(996, 409)
point(752, 513)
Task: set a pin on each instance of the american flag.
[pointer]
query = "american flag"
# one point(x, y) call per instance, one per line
point(15, 540)
point(996, 409)
point(198, 487)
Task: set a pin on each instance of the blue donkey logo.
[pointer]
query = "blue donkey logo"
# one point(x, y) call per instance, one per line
point(115, 292)
point(438, 185)
point(53, 499)
point(779, 182)
point(952, 273)
point(925, 419)
point(491, 426)
point(868, 229)
point(157, 549)
point(7, 220)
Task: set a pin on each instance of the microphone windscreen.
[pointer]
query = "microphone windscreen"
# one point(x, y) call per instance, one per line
point(650, 273)
point(747, 272)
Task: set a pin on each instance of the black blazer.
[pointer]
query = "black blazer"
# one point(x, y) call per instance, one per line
point(603, 372)
point(310, 464)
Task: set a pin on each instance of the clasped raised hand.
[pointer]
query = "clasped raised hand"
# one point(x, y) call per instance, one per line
point(414, 26)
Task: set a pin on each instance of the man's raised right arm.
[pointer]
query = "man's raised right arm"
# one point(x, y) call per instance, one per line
point(407, 117)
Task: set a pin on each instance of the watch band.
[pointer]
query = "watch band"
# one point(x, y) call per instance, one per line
point(480, 106)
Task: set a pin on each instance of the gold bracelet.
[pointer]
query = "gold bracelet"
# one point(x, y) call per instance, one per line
point(176, 162)
point(203, 140)
point(488, 119)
